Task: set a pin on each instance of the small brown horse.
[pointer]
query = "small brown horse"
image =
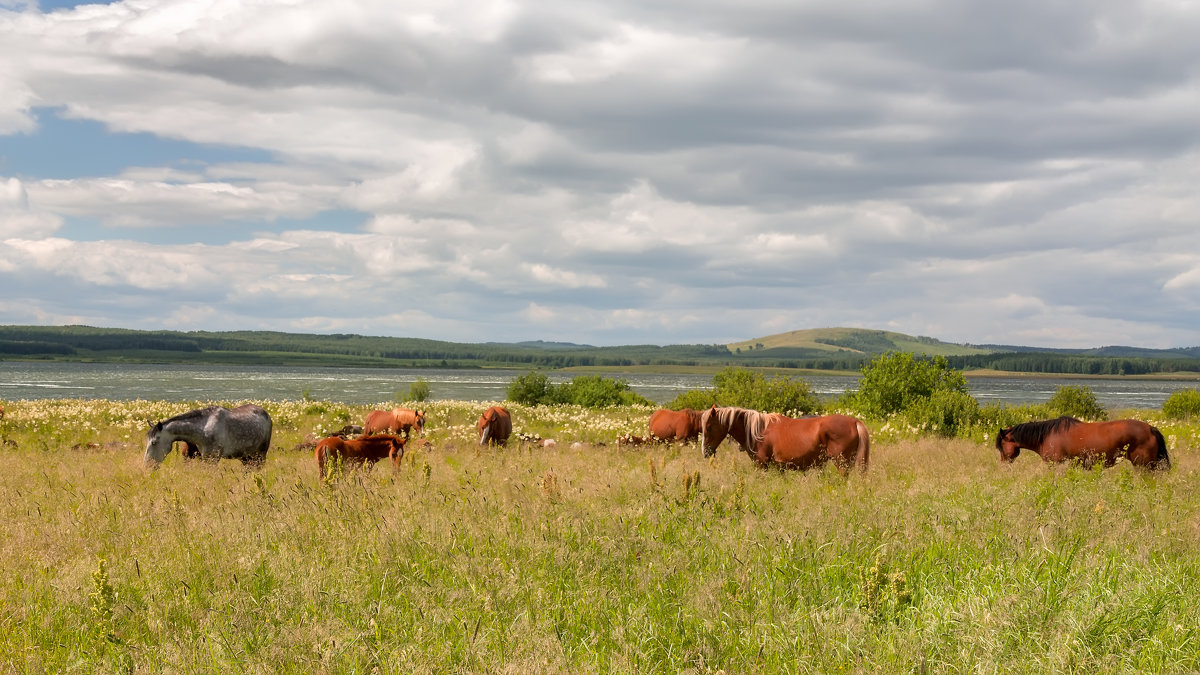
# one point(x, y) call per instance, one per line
point(495, 426)
point(394, 421)
point(793, 443)
point(1067, 438)
point(359, 451)
point(681, 426)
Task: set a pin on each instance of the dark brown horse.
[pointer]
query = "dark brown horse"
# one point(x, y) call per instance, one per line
point(681, 426)
point(1067, 438)
point(793, 443)
point(394, 421)
point(359, 451)
point(495, 426)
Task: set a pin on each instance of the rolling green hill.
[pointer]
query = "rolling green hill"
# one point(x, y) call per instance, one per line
point(858, 340)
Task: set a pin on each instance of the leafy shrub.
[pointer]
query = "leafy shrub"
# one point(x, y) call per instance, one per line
point(591, 391)
point(1076, 401)
point(532, 388)
point(594, 391)
point(747, 389)
point(996, 416)
point(945, 413)
point(1182, 404)
point(418, 390)
point(896, 381)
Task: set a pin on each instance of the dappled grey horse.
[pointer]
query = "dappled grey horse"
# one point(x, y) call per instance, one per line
point(213, 433)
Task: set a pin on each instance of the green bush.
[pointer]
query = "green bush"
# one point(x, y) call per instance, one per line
point(418, 390)
point(594, 391)
point(591, 391)
point(1076, 401)
point(748, 389)
point(894, 382)
point(532, 388)
point(996, 416)
point(945, 413)
point(1182, 404)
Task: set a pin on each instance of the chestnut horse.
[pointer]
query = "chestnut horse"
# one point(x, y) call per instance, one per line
point(1067, 438)
point(793, 443)
point(495, 426)
point(394, 421)
point(359, 451)
point(681, 426)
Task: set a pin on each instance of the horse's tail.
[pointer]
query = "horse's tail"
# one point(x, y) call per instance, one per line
point(864, 446)
point(1164, 460)
point(319, 454)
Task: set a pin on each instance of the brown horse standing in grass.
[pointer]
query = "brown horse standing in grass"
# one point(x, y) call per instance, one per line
point(1066, 438)
point(359, 451)
point(681, 426)
point(793, 443)
point(495, 426)
point(394, 421)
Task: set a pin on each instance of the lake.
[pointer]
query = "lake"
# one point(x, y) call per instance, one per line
point(37, 380)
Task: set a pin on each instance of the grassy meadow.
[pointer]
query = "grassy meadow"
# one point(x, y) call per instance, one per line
point(585, 557)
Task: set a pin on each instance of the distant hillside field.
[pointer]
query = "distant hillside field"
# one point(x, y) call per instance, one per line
point(857, 340)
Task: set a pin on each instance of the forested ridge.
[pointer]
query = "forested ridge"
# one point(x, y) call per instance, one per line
point(86, 343)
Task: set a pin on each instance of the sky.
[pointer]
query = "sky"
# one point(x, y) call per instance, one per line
point(605, 172)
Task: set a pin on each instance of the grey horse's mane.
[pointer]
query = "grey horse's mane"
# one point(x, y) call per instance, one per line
point(191, 415)
point(756, 422)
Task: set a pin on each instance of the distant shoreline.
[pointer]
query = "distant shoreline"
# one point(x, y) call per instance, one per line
point(1184, 376)
point(801, 372)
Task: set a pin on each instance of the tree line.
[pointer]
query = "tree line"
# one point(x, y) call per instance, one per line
point(266, 347)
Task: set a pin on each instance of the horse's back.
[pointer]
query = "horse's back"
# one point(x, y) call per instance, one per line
point(808, 441)
point(378, 420)
point(675, 424)
point(496, 424)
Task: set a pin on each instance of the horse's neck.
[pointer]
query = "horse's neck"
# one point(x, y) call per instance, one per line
point(739, 429)
point(191, 431)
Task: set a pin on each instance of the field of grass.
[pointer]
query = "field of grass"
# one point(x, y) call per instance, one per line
point(592, 558)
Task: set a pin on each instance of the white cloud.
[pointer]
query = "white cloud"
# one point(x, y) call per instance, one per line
point(614, 172)
point(18, 219)
point(553, 276)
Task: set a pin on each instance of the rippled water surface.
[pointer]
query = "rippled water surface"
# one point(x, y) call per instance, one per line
point(35, 380)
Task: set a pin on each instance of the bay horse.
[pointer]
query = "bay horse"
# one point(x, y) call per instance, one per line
point(213, 433)
point(792, 443)
point(394, 421)
point(359, 451)
point(495, 426)
point(681, 426)
point(1067, 438)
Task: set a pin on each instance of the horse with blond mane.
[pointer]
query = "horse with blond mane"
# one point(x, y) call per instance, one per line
point(394, 421)
point(788, 442)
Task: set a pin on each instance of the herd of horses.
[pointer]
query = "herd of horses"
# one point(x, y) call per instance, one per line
point(770, 439)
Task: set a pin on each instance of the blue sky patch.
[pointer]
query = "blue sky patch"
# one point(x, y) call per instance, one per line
point(63, 148)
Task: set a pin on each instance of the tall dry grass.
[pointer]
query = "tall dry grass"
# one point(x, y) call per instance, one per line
point(587, 559)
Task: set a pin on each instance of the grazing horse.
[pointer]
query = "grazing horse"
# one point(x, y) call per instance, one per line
point(793, 443)
point(495, 426)
point(359, 451)
point(681, 426)
point(1067, 438)
point(213, 433)
point(394, 421)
